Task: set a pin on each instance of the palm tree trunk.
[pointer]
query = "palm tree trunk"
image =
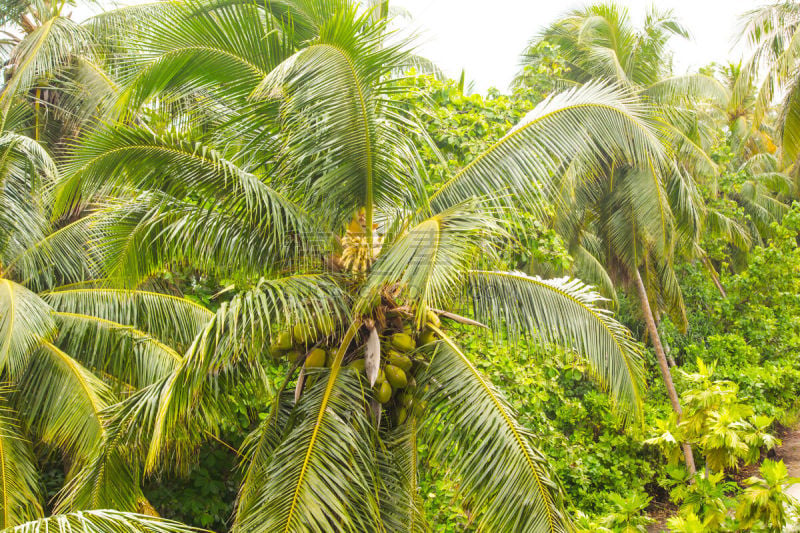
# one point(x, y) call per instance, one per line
point(663, 365)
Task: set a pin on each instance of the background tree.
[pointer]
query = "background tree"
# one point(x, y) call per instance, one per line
point(626, 224)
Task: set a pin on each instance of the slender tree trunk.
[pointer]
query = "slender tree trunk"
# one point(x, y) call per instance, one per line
point(670, 360)
point(655, 339)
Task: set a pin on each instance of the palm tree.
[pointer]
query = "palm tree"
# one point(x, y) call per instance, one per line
point(263, 141)
point(71, 342)
point(72, 345)
point(773, 32)
point(626, 223)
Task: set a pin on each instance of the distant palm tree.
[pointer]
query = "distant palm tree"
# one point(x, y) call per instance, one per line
point(263, 142)
point(626, 223)
point(766, 182)
point(774, 32)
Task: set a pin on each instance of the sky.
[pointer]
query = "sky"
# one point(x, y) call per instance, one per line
point(486, 37)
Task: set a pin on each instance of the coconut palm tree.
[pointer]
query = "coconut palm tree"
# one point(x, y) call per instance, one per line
point(264, 142)
point(71, 343)
point(772, 30)
point(627, 223)
point(764, 182)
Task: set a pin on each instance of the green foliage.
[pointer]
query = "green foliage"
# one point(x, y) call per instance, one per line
point(754, 332)
point(765, 504)
point(627, 516)
point(557, 399)
point(716, 421)
point(706, 500)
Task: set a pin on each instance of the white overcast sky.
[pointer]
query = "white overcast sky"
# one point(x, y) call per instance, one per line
point(486, 37)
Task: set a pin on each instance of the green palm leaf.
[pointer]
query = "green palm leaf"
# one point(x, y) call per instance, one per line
point(345, 135)
point(565, 312)
point(467, 412)
point(63, 401)
point(102, 521)
point(168, 318)
point(20, 495)
point(25, 321)
point(126, 353)
point(108, 479)
point(600, 124)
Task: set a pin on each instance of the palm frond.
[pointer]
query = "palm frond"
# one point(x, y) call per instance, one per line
point(108, 479)
point(398, 462)
point(62, 255)
point(102, 521)
point(170, 319)
point(175, 414)
point(62, 401)
point(345, 135)
point(466, 411)
point(601, 124)
point(124, 352)
point(143, 236)
point(25, 322)
point(564, 312)
point(687, 88)
point(590, 268)
point(20, 494)
point(221, 49)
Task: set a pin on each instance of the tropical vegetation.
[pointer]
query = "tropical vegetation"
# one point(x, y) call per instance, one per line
point(265, 268)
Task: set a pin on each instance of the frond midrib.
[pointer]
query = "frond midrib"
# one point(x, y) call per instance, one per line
point(509, 423)
point(588, 309)
point(520, 130)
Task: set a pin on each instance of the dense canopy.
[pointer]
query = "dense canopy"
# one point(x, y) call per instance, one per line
point(264, 268)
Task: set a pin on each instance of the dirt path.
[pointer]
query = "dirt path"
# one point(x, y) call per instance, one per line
point(788, 452)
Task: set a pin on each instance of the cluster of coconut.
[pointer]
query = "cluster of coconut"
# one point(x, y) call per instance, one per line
point(388, 359)
point(400, 362)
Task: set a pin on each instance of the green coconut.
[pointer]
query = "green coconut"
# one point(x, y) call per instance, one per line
point(427, 337)
point(403, 342)
point(383, 392)
point(359, 364)
point(301, 334)
point(284, 341)
point(316, 358)
point(400, 360)
point(395, 376)
point(402, 414)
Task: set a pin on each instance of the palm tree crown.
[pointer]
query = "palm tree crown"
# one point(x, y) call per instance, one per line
point(277, 153)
